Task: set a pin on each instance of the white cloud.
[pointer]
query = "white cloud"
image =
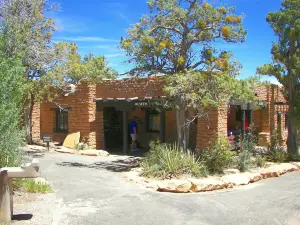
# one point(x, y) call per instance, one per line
point(86, 39)
point(114, 55)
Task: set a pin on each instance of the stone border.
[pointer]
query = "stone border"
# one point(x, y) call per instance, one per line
point(213, 183)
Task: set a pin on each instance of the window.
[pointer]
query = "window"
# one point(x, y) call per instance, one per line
point(153, 121)
point(62, 121)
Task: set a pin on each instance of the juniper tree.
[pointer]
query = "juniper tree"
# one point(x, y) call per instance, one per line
point(178, 39)
point(286, 62)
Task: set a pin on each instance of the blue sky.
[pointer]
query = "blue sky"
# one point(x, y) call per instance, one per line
point(97, 25)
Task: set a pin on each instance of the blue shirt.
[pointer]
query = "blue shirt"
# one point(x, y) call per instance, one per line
point(132, 126)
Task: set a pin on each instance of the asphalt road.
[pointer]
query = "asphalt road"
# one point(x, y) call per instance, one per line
point(90, 193)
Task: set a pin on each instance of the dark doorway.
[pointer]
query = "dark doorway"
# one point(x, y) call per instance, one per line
point(113, 129)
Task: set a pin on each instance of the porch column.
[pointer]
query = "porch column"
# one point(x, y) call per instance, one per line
point(250, 114)
point(125, 132)
point(243, 123)
point(162, 126)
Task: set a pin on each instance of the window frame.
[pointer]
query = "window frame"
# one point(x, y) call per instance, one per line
point(58, 122)
point(150, 113)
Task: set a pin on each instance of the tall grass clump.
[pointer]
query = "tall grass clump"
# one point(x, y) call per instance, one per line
point(169, 160)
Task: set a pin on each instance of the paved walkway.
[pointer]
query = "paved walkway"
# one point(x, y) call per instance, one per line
point(90, 192)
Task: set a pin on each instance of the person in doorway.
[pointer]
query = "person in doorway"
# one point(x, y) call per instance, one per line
point(133, 134)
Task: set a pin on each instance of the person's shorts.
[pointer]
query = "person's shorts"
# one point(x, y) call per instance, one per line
point(133, 137)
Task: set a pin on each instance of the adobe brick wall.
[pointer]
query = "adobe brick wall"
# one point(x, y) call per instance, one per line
point(83, 116)
point(36, 123)
point(211, 127)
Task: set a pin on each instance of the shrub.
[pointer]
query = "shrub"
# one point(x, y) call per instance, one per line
point(278, 154)
point(166, 161)
point(247, 148)
point(260, 161)
point(217, 157)
point(81, 146)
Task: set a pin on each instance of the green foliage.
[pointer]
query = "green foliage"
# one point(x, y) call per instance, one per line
point(26, 35)
point(31, 186)
point(164, 41)
point(217, 156)
point(166, 161)
point(277, 152)
point(11, 90)
point(81, 146)
point(76, 69)
point(286, 61)
point(260, 161)
point(247, 148)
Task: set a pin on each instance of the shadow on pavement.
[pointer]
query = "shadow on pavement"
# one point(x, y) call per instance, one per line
point(22, 217)
point(113, 166)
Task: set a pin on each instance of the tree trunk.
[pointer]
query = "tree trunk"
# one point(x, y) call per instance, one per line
point(292, 138)
point(292, 129)
point(28, 108)
point(182, 129)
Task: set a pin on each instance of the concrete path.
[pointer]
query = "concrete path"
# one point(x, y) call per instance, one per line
point(89, 193)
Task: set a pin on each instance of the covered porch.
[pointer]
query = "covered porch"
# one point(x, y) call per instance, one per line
point(151, 121)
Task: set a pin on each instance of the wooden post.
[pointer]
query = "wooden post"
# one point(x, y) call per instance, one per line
point(162, 126)
point(243, 123)
point(5, 198)
point(125, 132)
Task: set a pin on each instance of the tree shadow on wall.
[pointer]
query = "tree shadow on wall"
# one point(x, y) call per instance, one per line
point(121, 165)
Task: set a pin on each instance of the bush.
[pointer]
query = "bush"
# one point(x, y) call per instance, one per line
point(247, 148)
point(217, 157)
point(167, 161)
point(81, 146)
point(278, 154)
point(260, 161)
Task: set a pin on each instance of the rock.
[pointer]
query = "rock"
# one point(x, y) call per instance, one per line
point(175, 186)
point(231, 171)
point(254, 177)
point(64, 150)
point(92, 152)
point(206, 184)
point(277, 170)
point(72, 140)
point(297, 164)
point(260, 150)
point(40, 180)
point(236, 179)
point(103, 153)
point(287, 167)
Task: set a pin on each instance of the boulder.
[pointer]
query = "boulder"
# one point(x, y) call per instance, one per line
point(270, 172)
point(277, 170)
point(254, 177)
point(236, 179)
point(260, 150)
point(297, 164)
point(231, 171)
point(206, 184)
point(72, 140)
point(175, 186)
point(64, 150)
point(287, 167)
point(92, 152)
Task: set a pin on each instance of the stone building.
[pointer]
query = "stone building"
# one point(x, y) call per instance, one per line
point(102, 112)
